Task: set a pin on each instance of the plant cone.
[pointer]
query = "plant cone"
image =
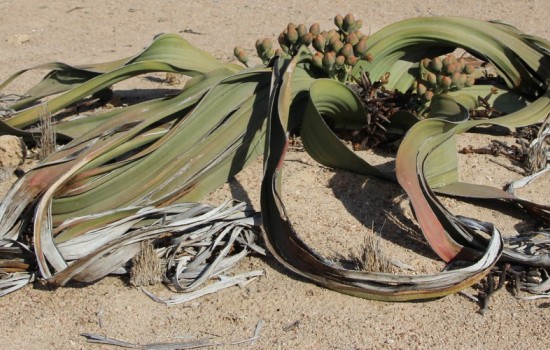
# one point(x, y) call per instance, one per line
point(339, 21)
point(469, 69)
point(258, 45)
point(237, 50)
point(352, 39)
point(318, 59)
point(243, 57)
point(333, 34)
point(269, 54)
point(336, 44)
point(267, 44)
point(302, 30)
point(446, 82)
point(449, 59)
point(356, 25)
point(347, 50)
point(470, 81)
point(460, 64)
point(449, 68)
point(340, 60)
point(455, 78)
point(292, 35)
point(436, 65)
point(431, 79)
point(307, 39)
point(319, 43)
point(421, 89)
point(425, 63)
point(428, 95)
point(315, 29)
point(282, 40)
point(361, 47)
point(349, 21)
point(351, 60)
point(463, 78)
point(360, 35)
point(329, 59)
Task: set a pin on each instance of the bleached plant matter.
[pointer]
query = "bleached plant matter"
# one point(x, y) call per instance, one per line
point(151, 157)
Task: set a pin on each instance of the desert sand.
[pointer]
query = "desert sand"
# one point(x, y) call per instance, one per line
point(331, 209)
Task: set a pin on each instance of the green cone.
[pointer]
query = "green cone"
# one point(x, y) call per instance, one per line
point(421, 89)
point(349, 21)
point(329, 59)
point(361, 47)
point(315, 29)
point(449, 68)
point(340, 60)
point(258, 46)
point(282, 39)
point(470, 81)
point(339, 21)
point(425, 63)
point(292, 35)
point(307, 39)
point(302, 30)
point(336, 44)
point(267, 44)
point(319, 43)
point(469, 69)
point(243, 57)
point(436, 65)
point(352, 39)
point(431, 79)
point(446, 82)
point(318, 59)
point(347, 50)
point(237, 50)
point(351, 60)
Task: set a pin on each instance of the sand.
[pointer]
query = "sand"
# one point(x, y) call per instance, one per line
point(331, 209)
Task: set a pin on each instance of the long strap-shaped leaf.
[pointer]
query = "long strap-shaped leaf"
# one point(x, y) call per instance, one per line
point(184, 153)
point(168, 53)
point(171, 49)
point(291, 251)
point(61, 78)
point(523, 66)
point(334, 101)
point(108, 135)
point(133, 193)
point(447, 239)
point(115, 244)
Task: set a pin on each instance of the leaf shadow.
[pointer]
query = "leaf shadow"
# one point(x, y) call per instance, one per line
point(239, 192)
point(117, 98)
point(373, 201)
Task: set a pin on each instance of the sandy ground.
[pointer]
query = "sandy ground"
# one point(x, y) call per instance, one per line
point(331, 209)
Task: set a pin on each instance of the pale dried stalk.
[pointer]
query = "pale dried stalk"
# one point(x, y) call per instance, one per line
point(371, 257)
point(537, 154)
point(173, 78)
point(146, 266)
point(47, 140)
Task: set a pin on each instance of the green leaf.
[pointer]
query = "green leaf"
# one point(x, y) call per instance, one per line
point(331, 100)
point(168, 53)
point(292, 252)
